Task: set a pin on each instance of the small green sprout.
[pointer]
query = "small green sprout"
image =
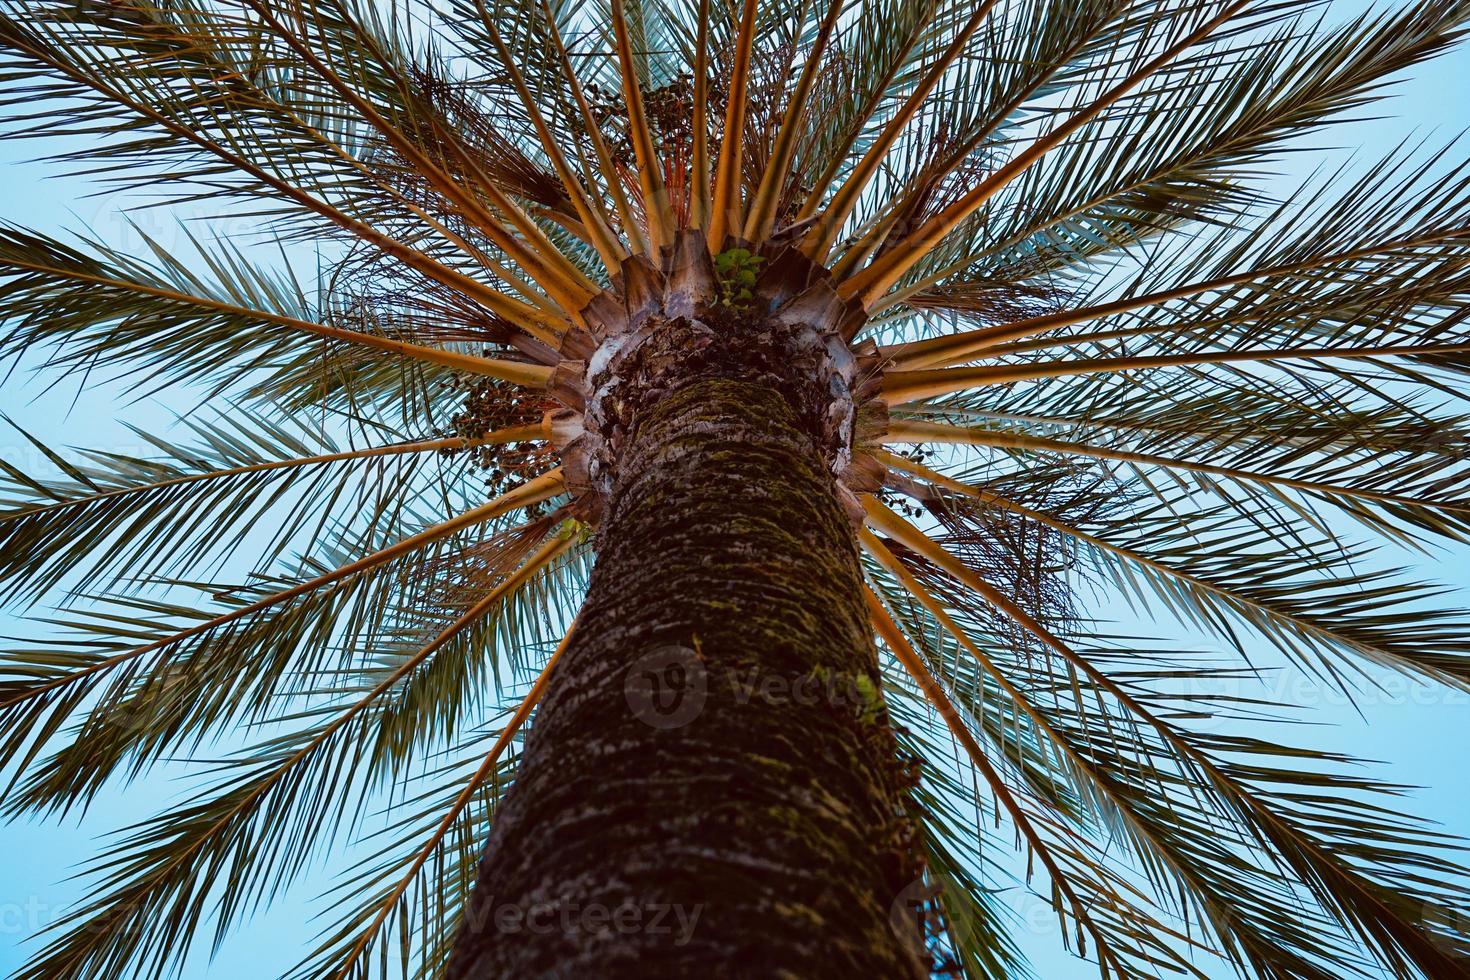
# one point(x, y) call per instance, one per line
point(737, 269)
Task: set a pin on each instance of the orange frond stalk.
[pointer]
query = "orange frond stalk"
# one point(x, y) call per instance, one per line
point(870, 284)
point(492, 759)
point(533, 491)
point(594, 221)
point(699, 175)
point(839, 208)
point(906, 431)
point(960, 347)
point(762, 219)
point(608, 168)
point(726, 215)
point(900, 387)
point(650, 167)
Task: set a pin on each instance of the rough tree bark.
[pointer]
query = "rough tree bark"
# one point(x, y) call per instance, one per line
point(710, 784)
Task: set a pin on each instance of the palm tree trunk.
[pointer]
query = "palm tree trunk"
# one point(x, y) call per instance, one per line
point(710, 786)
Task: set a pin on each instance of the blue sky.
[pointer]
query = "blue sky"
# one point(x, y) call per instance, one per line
point(1419, 733)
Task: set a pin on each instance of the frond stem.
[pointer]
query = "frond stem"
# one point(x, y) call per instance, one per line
point(522, 433)
point(875, 280)
point(515, 372)
point(901, 387)
point(492, 758)
point(915, 432)
point(958, 348)
point(533, 491)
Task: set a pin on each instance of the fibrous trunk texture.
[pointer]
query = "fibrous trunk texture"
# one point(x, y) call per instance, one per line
point(710, 786)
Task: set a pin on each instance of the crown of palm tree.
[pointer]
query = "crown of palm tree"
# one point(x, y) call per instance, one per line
point(1029, 240)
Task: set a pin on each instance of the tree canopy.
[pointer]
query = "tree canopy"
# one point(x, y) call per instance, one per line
point(1095, 351)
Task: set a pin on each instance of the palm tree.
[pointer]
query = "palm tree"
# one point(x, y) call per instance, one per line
point(767, 384)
